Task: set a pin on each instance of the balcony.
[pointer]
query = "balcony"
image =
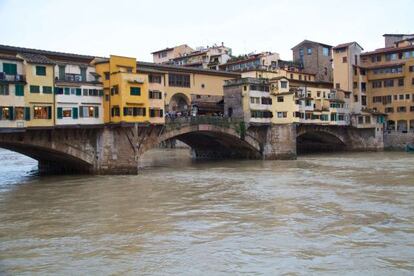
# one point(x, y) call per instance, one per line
point(12, 78)
point(76, 78)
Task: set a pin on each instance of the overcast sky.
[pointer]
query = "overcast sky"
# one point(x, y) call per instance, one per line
point(136, 28)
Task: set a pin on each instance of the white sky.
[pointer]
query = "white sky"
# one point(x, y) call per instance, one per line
point(136, 28)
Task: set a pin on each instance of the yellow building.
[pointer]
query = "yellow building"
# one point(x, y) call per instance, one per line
point(289, 73)
point(38, 93)
point(125, 91)
point(13, 112)
point(389, 74)
point(179, 85)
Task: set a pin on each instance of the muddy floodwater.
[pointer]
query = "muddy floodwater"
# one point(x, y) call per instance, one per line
point(339, 213)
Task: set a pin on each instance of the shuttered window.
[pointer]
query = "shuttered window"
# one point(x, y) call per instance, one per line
point(75, 113)
point(19, 90)
point(59, 113)
point(10, 68)
point(34, 89)
point(47, 89)
point(135, 91)
point(41, 70)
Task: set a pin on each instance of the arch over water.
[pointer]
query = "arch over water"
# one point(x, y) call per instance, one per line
point(209, 140)
point(319, 141)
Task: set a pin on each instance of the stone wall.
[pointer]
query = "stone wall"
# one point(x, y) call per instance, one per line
point(365, 139)
point(280, 142)
point(397, 140)
point(233, 100)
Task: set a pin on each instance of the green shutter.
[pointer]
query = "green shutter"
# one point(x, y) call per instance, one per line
point(34, 89)
point(27, 113)
point(125, 111)
point(100, 92)
point(96, 111)
point(47, 89)
point(78, 92)
point(49, 112)
point(41, 70)
point(74, 112)
point(59, 113)
point(1, 112)
point(19, 90)
point(11, 113)
point(81, 108)
point(67, 91)
point(10, 69)
point(135, 91)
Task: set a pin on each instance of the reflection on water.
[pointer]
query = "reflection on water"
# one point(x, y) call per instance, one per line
point(334, 213)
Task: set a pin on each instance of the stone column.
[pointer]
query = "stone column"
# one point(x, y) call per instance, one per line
point(116, 151)
point(280, 142)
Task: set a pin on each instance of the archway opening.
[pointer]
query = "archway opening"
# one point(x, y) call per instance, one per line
point(315, 142)
point(179, 104)
point(206, 145)
point(50, 161)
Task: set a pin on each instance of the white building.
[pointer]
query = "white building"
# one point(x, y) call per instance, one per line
point(79, 95)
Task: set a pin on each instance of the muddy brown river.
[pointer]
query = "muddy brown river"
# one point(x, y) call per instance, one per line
point(343, 213)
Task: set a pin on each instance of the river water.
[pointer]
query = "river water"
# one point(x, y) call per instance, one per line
point(347, 213)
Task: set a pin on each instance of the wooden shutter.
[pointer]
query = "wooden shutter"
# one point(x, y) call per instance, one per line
point(96, 111)
point(27, 113)
point(49, 112)
point(19, 90)
point(75, 113)
point(11, 113)
point(59, 113)
point(78, 92)
point(67, 91)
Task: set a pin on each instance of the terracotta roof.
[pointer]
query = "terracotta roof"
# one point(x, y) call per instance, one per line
point(344, 45)
point(50, 54)
point(141, 65)
point(310, 42)
point(35, 58)
point(163, 50)
point(10, 57)
point(388, 50)
point(398, 34)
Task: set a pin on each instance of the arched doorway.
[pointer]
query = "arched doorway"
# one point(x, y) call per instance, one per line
point(179, 103)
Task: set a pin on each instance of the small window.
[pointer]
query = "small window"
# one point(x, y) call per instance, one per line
point(280, 99)
point(283, 84)
point(47, 89)
point(41, 70)
point(344, 59)
point(34, 89)
point(107, 75)
point(309, 51)
point(135, 91)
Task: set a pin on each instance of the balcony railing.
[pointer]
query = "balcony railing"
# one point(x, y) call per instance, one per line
point(4, 77)
point(71, 78)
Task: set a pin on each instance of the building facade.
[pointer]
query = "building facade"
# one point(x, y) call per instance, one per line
point(78, 94)
point(167, 54)
point(125, 91)
point(389, 74)
point(314, 58)
point(183, 88)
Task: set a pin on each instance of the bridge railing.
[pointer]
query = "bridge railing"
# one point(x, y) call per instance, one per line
point(226, 122)
point(198, 120)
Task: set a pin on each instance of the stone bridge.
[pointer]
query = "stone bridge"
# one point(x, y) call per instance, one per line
point(116, 149)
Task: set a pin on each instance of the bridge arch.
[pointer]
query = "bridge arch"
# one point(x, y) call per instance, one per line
point(210, 141)
point(320, 139)
point(54, 154)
